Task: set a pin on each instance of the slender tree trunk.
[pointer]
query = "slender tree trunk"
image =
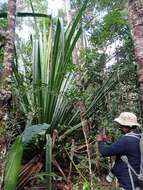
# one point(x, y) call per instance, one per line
point(5, 88)
point(80, 87)
point(81, 104)
point(135, 12)
point(68, 11)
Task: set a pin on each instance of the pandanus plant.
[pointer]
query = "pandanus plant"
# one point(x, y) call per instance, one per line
point(52, 55)
point(46, 98)
point(51, 78)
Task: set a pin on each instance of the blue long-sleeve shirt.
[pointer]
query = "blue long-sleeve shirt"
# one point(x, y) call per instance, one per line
point(126, 145)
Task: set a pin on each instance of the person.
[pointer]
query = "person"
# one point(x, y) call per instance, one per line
point(126, 145)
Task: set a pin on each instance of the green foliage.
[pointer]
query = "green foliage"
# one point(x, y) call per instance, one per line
point(109, 29)
point(112, 27)
point(86, 186)
point(3, 26)
point(38, 5)
point(3, 22)
point(42, 175)
point(52, 53)
point(45, 86)
point(109, 5)
point(13, 165)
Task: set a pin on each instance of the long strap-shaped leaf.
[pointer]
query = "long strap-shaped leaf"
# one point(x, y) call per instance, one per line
point(69, 32)
point(51, 60)
point(18, 14)
point(13, 165)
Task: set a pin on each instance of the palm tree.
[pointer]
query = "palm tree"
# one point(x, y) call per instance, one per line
point(135, 12)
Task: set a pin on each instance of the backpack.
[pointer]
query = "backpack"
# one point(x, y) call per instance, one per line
point(130, 168)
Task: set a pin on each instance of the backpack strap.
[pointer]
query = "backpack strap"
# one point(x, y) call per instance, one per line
point(125, 160)
point(130, 168)
point(137, 136)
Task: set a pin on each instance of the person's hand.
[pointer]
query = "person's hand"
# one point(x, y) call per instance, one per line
point(107, 138)
point(104, 138)
point(99, 138)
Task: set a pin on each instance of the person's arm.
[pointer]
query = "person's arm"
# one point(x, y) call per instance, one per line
point(116, 148)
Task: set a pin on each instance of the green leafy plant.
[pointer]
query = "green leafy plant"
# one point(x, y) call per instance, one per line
point(85, 186)
point(13, 164)
point(51, 78)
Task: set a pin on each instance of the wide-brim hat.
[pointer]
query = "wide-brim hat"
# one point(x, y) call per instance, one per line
point(127, 119)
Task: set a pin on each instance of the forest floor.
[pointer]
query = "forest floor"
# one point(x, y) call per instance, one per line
point(107, 186)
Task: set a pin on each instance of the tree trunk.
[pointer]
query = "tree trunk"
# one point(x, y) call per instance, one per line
point(9, 47)
point(5, 91)
point(135, 12)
